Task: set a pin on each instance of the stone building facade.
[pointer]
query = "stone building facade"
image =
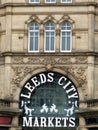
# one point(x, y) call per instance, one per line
point(40, 41)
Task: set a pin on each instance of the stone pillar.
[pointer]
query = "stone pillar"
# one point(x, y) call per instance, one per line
point(8, 29)
point(7, 88)
point(91, 28)
point(25, 45)
point(82, 124)
point(15, 124)
point(90, 77)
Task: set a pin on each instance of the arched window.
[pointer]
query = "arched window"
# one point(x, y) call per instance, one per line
point(33, 37)
point(66, 37)
point(49, 37)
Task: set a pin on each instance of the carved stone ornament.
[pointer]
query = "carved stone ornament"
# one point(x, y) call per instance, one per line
point(50, 60)
point(22, 66)
point(78, 73)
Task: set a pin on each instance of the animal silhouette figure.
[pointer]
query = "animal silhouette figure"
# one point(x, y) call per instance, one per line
point(28, 111)
point(70, 110)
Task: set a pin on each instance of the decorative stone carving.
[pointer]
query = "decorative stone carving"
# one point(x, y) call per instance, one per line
point(22, 66)
point(80, 74)
point(49, 60)
point(20, 73)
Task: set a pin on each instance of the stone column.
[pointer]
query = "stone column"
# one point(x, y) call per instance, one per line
point(82, 124)
point(15, 124)
point(7, 88)
point(8, 29)
point(91, 28)
point(90, 77)
point(25, 39)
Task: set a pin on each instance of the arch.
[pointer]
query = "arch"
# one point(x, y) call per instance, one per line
point(54, 69)
point(49, 94)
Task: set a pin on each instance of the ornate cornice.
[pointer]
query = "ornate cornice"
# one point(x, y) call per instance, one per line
point(52, 4)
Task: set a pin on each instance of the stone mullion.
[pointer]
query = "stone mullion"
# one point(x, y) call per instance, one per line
point(57, 39)
point(41, 39)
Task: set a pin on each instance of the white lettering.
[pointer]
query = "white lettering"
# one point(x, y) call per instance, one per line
point(50, 76)
point(66, 85)
point(60, 82)
point(36, 124)
point(26, 96)
point(71, 89)
point(65, 121)
point(43, 78)
point(35, 81)
point(29, 87)
point(27, 122)
point(72, 122)
point(58, 122)
point(50, 123)
point(74, 95)
point(43, 122)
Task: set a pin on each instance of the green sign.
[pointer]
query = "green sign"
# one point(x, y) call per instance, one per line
point(49, 99)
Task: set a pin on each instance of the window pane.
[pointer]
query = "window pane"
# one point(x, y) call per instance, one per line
point(50, 1)
point(63, 43)
point(31, 43)
point(68, 43)
point(52, 43)
point(47, 43)
point(36, 43)
point(34, 36)
point(49, 36)
point(34, 1)
point(66, 1)
point(65, 37)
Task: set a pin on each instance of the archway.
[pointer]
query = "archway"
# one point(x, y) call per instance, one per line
point(48, 101)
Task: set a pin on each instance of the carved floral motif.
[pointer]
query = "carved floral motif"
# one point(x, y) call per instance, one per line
point(50, 60)
point(22, 66)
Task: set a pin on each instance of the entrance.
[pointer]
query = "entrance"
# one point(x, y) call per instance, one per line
point(48, 101)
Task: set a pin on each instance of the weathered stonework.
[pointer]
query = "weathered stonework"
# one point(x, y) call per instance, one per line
point(17, 64)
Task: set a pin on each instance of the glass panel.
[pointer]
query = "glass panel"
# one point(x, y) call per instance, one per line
point(66, 26)
point(34, 1)
point(34, 36)
point(66, 1)
point(65, 37)
point(49, 42)
point(31, 43)
point(50, 1)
